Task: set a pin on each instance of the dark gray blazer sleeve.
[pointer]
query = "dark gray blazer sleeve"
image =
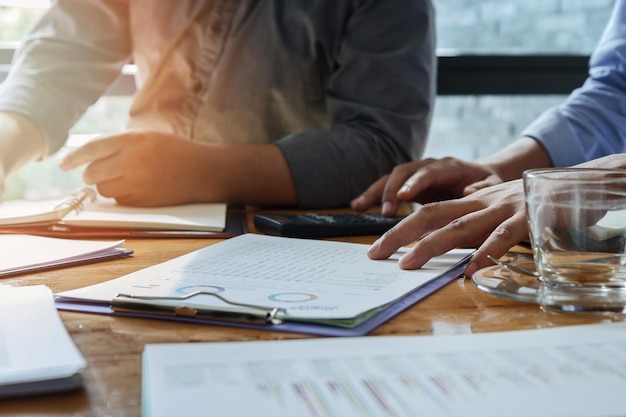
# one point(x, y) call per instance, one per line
point(380, 101)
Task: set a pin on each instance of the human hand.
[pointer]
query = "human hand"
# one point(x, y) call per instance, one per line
point(492, 218)
point(614, 161)
point(426, 181)
point(139, 168)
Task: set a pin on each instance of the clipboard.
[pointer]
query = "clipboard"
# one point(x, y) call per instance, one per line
point(255, 316)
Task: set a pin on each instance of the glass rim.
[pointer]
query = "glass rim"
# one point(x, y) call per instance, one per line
point(553, 174)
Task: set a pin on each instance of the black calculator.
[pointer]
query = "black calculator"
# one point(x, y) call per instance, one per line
point(321, 225)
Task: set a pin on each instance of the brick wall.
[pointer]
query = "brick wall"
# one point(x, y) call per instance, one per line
point(472, 126)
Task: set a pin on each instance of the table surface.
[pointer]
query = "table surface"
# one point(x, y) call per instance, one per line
point(113, 346)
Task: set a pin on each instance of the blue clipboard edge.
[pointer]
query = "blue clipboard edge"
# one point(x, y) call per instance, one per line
point(387, 313)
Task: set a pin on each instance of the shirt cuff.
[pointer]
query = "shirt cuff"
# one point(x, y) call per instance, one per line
point(314, 170)
point(556, 135)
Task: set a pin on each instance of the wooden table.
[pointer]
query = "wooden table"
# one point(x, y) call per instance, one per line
point(112, 346)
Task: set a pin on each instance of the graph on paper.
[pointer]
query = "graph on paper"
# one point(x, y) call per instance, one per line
point(549, 372)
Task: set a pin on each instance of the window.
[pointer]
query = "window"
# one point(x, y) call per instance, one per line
point(473, 126)
point(44, 179)
point(465, 126)
point(17, 17)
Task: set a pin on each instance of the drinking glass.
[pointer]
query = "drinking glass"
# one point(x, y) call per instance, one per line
point(577, 224)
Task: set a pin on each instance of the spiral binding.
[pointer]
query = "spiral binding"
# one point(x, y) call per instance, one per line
point(76, 201)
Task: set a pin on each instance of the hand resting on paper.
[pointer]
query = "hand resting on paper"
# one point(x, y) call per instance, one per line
point(493, 219)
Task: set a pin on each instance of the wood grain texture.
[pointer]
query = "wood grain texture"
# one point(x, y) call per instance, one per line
point(113, 345)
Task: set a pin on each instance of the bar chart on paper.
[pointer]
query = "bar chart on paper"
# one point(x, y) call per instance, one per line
point(470, 375)
point(435, 385)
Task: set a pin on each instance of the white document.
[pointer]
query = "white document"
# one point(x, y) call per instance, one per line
point(307, 279)
point(576, 371)
point(37, 354)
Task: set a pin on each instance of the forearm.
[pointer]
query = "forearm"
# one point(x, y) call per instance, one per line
point(65, 63)
point(255, 175)
point(21, 141)
point(510, 162)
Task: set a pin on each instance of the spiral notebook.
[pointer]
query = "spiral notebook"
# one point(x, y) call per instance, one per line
point(86, 213)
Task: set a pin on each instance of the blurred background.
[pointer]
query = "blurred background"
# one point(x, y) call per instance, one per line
point(465, 126)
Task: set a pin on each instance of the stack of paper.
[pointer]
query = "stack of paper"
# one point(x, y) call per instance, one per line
point(26, 253)
point(36, 353)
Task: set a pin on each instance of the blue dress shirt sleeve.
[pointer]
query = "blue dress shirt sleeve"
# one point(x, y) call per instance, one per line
point(591, 123)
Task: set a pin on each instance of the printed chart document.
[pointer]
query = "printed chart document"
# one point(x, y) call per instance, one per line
point(269, 281)
point(36, 353)
point(87, 211)
point(26, 253)
point(562, 372)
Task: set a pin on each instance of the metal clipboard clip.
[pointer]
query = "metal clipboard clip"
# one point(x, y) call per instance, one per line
point(164, 306)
